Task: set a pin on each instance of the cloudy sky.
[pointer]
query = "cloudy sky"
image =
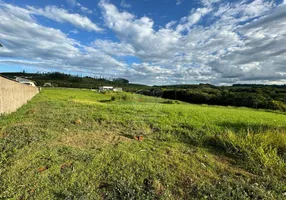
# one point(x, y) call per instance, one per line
point(147, 41)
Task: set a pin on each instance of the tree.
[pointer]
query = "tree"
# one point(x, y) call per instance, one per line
point(121, 81)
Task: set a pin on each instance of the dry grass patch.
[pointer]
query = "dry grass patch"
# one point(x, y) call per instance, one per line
point(87, 102)
point(89, 140)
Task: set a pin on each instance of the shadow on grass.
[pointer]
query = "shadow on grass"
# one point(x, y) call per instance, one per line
point(127, 135)
point(250, 128)
point(276, 112)
point(105, 101)
point(221, 143)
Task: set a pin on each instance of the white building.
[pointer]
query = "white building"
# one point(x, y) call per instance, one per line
point(105, 88)
point(25, 81)
point(48, 85)
point(109, 88)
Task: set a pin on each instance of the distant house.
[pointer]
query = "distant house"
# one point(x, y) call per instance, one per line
point(109, 88)
point(47, 85)
point(25, 81)
point(105, 88)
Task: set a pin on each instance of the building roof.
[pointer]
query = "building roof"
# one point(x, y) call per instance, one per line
point(107, 87)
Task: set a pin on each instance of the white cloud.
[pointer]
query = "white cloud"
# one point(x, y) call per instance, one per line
point(140, 33)
point(277, 16)
point(255, 8)
point(209, 2)
point(114, 48)
point(18, 12)
point(71, 2)
point(84, 9)
point(192, 19)
point(124, 4)
point(74, 3)
point(26, 43)
point(74, 31)
point(170, 24)
point(244, 43)
point(219, 43)
point(62, 15)
point(179, 2)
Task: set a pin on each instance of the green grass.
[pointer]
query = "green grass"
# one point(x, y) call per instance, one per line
point(188, 151)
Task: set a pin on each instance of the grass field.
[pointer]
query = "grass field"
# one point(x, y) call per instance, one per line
point(76, 144)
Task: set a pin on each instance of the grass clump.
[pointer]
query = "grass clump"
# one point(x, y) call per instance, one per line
point(122, 96)
point(172, 102)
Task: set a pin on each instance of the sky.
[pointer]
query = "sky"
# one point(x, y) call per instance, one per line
point(153, 42)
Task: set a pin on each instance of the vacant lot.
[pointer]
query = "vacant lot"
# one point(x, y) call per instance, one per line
point(74, 144)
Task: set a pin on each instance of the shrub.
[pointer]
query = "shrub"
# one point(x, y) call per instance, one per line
point(121, 97)
point(171, 102)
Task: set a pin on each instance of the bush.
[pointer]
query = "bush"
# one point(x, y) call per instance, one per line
point(171, 102)
point(276, 105)
point(121, 97)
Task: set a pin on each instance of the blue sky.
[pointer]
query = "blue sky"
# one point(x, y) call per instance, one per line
point(147, 41)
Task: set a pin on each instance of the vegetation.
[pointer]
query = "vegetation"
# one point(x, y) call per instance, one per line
point(267, 97)
point(253, 96)
point(58, 79)
point(75, 144)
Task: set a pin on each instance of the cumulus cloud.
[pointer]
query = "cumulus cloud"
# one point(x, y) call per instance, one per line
point(62, 15)
point(243, 42)
point(124, 4)
point(28, 43)
point(218, 42)
point(192, 19)
point(139, 33)
point(74, 31)
point(114, 48)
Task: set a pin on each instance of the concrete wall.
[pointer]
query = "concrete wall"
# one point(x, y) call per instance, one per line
point(13, 95)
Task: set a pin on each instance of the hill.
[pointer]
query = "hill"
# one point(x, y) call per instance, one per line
point(75, 144)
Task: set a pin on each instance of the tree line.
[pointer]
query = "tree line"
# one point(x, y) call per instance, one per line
point(267, 97)
point(58, 79)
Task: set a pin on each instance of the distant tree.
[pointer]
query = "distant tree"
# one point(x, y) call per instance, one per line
point(121, 81)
